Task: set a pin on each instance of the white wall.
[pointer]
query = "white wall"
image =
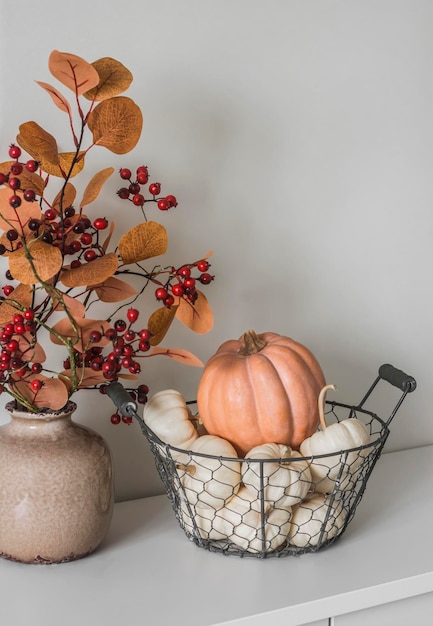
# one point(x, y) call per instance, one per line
point(298, 137)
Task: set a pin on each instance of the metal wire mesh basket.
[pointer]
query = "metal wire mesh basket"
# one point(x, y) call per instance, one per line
point(273, 506)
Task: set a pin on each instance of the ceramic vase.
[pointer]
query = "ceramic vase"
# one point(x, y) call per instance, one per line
point(56, 487)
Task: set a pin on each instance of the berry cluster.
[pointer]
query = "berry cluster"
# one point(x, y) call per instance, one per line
point(182, 284)
point(12, 177)
point(134, 192)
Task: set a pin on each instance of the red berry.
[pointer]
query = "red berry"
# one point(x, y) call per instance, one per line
point(50, 214)
point(127, 419)
point(8, 289)
point(142, 177)
point(14, 183)
point(15, 201)
point(75, 263)
point(86, 239)
point(36, 384)
point(184, 271)
point(125, 173)
point(138, 199)
point(29, 314)
point(12, 235)
point(132, 315)
point(14, 151)
point(168, 301)
point(12, 346)
point(171, 200)
point(203, 266)
point(95, 336)
point(120, 326)
point(161, 293)
point(37, 368)
point(189, 283)
point(155, 188)
point(163, 204)
point(144, 346)
point(29, 195)
point(115, 418)
point(3, 178)
point(144, 334)
point(123, 193)
point(134, 188)
point(32, 165)
point(90, 255)
point(20, 329)
point(177, 289)
point(100, 223)
point(205, 279)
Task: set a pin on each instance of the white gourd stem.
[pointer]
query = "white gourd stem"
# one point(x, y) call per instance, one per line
point(321, 404)
point(189, 469)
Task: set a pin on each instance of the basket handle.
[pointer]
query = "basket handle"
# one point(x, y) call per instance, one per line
point(397, 378)
point(121, 398)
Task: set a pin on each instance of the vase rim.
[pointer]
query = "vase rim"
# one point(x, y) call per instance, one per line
point(69, 408)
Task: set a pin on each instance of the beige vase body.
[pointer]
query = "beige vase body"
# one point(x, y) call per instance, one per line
point(56, 488)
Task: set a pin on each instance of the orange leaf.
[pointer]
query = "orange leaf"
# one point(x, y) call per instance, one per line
point(86, 376)
point(58, 99)
point(79, 335)
point(159, 323)
point(52, 395)
point(116, 124)
point(31, 351)
point(69, 165)
point(95, 185)
point(114, 78)
point(198, 316)
point(108, 237)
point(40, 262)
point(73, 71)
point(38, 143)
point(183, 356)
point(22, 296)
point(16, 218)
point(114, 290)
point(65, 197)
point(92, 273)
point(75, 307)
point(144, 241)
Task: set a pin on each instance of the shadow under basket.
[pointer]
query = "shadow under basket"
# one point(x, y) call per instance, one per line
point(271, 507)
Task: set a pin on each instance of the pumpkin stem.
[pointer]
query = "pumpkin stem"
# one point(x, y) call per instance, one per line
point(321, 404)
point(251, 343)
point(189, 469)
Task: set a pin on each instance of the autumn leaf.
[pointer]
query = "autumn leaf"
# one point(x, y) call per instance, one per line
point(20, 298)
point(116, 124)
point(16, 218)
point(69, 165)
point(73, 71)
point(86, 377)
point(114, 78)
point(31, 350)
point(114, 290)
point(92, 273)
point(80, 334)
point(107, 239)
point(183, 356)
point(52, 395)
point(58, 99)
point(65, 197)
point(95, 185)
point(159, 323)
point(75, 307)
point(198, 316)
point(39, 262)
point(144, 241)
point(38, 143)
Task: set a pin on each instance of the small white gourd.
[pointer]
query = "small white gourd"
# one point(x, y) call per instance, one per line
point(240, 521)
point(334, 440)
point(315, 520)
point(285, 483)
point(210, 480)
point(168, 416)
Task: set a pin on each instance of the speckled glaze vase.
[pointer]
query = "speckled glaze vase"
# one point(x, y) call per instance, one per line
point(56, 487)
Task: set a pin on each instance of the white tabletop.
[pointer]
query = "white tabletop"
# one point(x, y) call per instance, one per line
point(147, 572)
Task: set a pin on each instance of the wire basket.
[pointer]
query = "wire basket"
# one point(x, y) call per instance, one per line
point(274, 506)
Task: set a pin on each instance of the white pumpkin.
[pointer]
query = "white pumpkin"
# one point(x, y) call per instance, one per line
point(315, 520)
point(285, 483)
point(201, 519)
point(335, 440)
point(210, 480)
point(240, 521)
point(168, 416)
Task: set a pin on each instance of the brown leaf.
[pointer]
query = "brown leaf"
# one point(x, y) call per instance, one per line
point(38, 143)
point(116, 124)
point(75, 307)
point(183, 356)
point(159, 323)
point(79, 335)
point(31, 351)
point(22, 296)
point(92, 273)
point(95, 185)
point(52, 395)
point(114, 78)
point(65, 197)
point(69, 165)
point(16, 218)
point(114, 290)
point(106, 242)
point(58, 99)
point(144, 241)
point(86, 377)
point(198, 316)
point(43, 263)
point(73, 71)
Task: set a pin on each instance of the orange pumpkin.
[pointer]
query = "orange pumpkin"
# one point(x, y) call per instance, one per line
point(261, 389)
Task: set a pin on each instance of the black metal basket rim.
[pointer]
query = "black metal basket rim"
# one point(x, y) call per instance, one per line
point(382, 436)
